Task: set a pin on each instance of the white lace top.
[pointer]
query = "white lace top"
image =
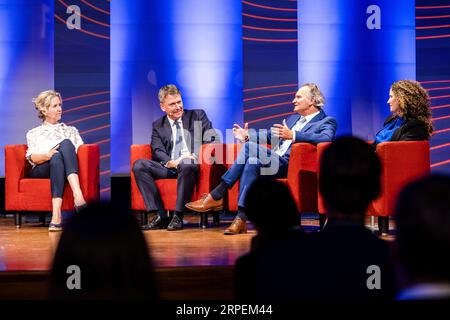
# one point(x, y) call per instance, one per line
point(43, 138)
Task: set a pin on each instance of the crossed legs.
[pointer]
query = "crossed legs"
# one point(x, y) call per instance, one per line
point(62, 165)
point(252, 161)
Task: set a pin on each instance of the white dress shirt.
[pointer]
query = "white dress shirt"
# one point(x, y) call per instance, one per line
point(45, 137)
point(184, 149)
point(298, 126)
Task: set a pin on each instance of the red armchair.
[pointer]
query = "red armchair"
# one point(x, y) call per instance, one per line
point(208, 177)
point(401, 163)
point(301, 179)
point(27, 194)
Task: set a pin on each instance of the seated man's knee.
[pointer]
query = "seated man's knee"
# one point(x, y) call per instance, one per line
point(253, 161)
point(138, 166)
point(250, 149)
point(187, 167)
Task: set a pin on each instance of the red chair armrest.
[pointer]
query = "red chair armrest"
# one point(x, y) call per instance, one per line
point(89, 171)
point(320, 149)
point(302, 176)
point(137, 151)
point(16, 167)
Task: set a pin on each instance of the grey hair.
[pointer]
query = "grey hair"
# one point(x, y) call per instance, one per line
point(169, 89)
point(315, 95)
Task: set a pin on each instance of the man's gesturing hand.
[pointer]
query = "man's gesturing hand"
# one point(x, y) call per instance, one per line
point(282, 131)
point(240, 133)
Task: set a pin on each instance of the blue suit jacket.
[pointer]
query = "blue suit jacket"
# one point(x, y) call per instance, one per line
point(321, 128)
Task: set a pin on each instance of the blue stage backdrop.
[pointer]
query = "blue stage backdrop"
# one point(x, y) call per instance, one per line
point(82, 74)
point(194, 44)
point(270, 60)
point(26, 66)
point(239, 60)
point(354, 50)
point(433, 71)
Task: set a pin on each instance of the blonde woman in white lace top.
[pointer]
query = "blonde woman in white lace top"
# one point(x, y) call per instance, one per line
point(52, 148)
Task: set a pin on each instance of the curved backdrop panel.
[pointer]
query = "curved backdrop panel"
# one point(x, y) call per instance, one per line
point(354, 51)
point(433, 71)
point(191, 43)
point(26, 66)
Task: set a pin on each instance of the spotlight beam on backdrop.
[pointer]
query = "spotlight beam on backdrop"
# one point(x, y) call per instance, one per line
point(194, 44)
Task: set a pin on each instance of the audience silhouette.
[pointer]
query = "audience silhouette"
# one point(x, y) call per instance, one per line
point(265, 197)
point(272, 210)
point(423, 239)
point(345, 260)
point(102, 254)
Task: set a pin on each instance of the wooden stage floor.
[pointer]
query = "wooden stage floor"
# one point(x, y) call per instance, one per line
point(31, 247)
point(192, 264)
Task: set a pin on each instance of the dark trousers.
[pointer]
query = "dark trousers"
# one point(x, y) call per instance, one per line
point(147, 171)
point(62, 164)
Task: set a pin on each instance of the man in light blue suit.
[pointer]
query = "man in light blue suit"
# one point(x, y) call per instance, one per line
point(309, 124)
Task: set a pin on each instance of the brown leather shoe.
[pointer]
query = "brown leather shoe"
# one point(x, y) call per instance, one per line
point(237, 226)
point(205, 203)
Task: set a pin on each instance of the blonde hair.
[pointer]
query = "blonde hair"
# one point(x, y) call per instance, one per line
point(315, 95)
point(42, 101)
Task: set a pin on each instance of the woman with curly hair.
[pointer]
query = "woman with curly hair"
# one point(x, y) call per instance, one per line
point(411, 115)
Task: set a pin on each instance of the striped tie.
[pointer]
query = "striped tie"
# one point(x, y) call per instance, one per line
point(178, 141)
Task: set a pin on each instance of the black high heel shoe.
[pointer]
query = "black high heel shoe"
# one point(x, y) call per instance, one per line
point(79, 208)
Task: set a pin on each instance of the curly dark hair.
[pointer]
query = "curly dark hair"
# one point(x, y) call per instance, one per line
point(413, 101)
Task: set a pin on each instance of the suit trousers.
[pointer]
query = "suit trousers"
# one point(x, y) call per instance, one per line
point(147, 171)
point(62, 164)
point(253, 161)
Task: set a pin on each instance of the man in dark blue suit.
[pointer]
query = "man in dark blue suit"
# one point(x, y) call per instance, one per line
point(310, 124)
point(176, 140)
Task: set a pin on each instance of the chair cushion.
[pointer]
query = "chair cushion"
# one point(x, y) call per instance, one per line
point(36, 195)
point(35, 186)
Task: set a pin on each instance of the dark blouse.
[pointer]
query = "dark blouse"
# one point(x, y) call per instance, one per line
point(411, 130)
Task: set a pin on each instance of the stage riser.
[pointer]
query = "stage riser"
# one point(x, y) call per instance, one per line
point(179, 283)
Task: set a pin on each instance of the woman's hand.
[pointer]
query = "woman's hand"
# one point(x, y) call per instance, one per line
point(52, 152)
point(240, 133)
point(44, 157)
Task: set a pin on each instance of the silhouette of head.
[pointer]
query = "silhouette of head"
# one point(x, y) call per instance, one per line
point(111, 253)
point(349, 177)
point(423, 229)
point(270, 207)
